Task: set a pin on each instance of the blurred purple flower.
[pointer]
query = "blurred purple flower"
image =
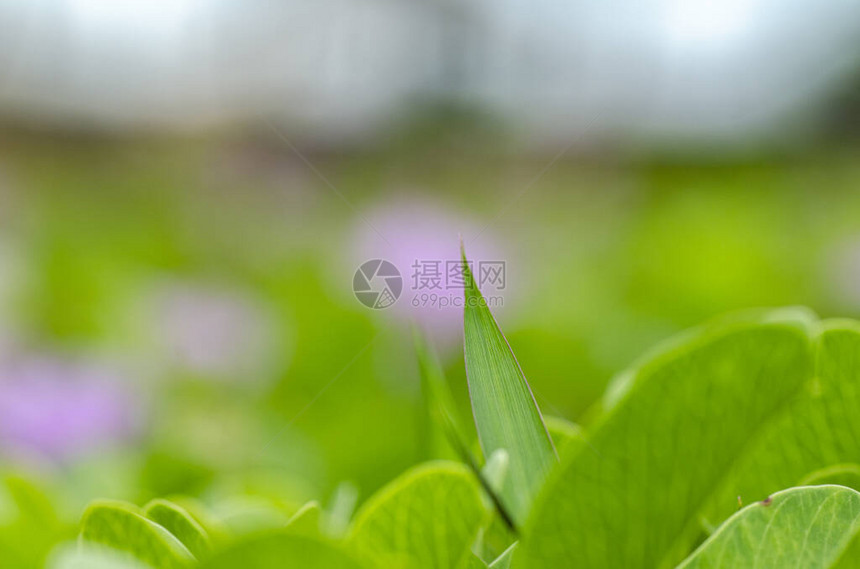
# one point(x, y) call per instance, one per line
point(417, 229)
point(63, 409)
point(214, 333)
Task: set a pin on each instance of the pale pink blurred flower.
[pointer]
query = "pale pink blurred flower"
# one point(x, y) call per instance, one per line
point(61, 408)
point(410, 231)
point(213, 332)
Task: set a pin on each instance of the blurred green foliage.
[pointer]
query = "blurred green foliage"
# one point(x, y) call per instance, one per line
point(608, 256)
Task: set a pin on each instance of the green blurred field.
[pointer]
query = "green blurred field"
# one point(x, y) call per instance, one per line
point(609, 256)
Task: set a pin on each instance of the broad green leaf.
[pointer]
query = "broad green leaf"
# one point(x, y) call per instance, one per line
point(179, 522)
point(809, 527)
point(281, 550)
point(120, 526)
point(818, 429)
point(673, 432)
point(306, 521)
point(427, 518)
point(506, 413)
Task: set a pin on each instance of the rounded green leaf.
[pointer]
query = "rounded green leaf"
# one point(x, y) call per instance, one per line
point(120, 526)
point(179, 522)
point(810, 527)
point(425, 519)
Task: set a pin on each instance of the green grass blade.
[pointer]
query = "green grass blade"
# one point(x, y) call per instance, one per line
point(506, 413)
point(441, 413)
point(443, 423)
point(810, 527)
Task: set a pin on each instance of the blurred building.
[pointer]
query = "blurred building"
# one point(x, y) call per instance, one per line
point(661, 70)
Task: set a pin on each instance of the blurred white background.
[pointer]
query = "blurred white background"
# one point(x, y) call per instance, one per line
point(666, 70)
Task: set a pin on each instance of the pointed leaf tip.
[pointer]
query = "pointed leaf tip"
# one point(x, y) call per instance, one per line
point(506, 413)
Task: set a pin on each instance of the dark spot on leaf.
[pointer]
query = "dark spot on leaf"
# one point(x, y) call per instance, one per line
point(767, 501)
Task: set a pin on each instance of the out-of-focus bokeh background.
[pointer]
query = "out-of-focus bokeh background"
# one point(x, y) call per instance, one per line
point(188, 187)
